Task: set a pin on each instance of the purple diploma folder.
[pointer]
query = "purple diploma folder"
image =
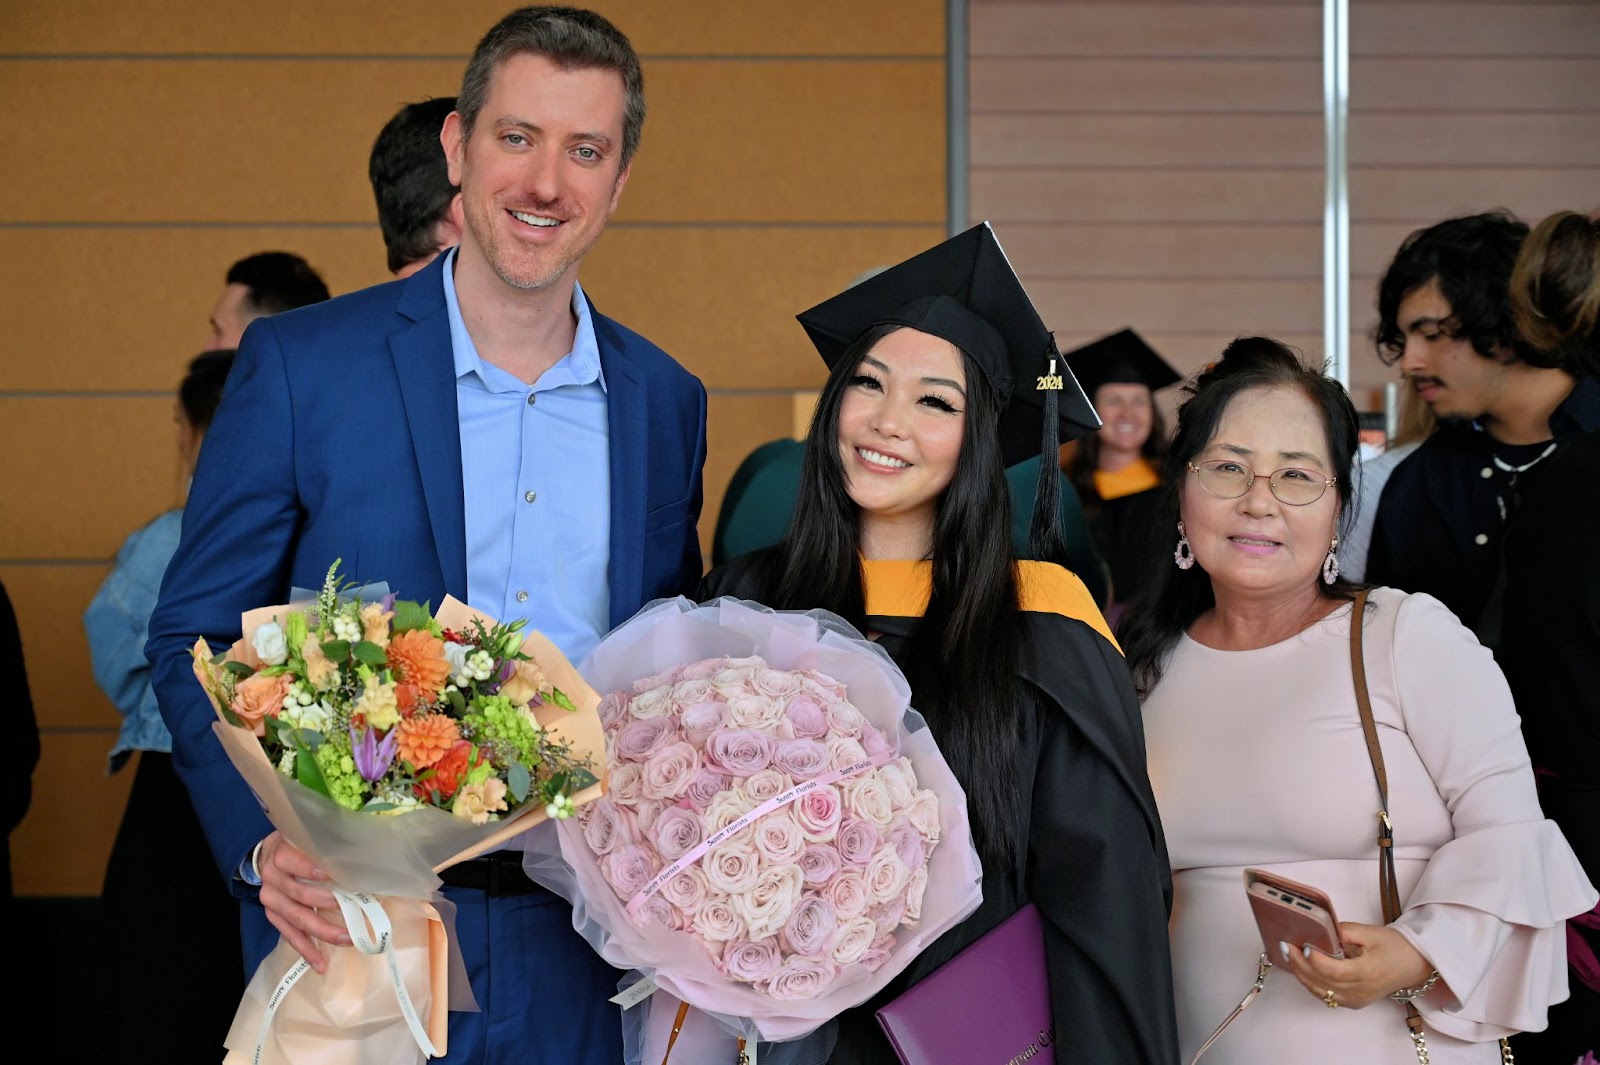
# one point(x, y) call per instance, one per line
point(988, 1004)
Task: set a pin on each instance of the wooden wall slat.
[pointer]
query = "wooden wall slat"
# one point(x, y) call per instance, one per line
point(1380, 27)
point(1136, 30)
point(112, 466)
point(50, 601)
point(1197, 140)
point(1147, 251)
point(1454, 84)
point(1405, 192)
point(1198, 304)
point(806, 150)
point(1187, 195)
point(62, 847)
point(1474, 138)
point(421, 27)
point(1068, 84)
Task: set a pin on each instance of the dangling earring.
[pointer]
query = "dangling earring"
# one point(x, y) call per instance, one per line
point(1183, 556)
point(1330, 565)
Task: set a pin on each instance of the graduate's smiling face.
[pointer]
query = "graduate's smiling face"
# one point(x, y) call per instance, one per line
point(541, 170)
point(901, 422)
point(1127, 412)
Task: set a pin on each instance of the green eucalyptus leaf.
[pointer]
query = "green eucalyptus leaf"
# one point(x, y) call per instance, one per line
point(518, 781)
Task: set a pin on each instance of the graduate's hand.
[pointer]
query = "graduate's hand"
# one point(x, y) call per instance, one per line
point(293, 890)
point(1377, 960)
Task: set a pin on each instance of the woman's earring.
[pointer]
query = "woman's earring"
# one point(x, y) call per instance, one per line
point(1330, 565)
point(1183, 556)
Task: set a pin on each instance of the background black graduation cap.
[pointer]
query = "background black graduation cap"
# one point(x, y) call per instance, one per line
point(1122, 357)
point(965, 291)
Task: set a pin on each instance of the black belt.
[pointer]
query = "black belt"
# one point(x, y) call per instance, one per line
point(497, 874)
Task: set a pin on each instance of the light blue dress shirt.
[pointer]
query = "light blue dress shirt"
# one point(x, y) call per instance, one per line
point(536, 469)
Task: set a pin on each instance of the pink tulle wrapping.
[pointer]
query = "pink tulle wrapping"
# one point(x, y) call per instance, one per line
point(671, 633)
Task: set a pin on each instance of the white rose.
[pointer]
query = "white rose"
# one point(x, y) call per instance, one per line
point(456, 655)
point(270, 645)
point(866, 797)
point(653, 703)
point(924, 814)
point(733, 868)
point(886, 876)
point(854, 937)
point(844, 751)
point(916, 885)
point(717, 921)
point(766, 907)
point(900, 784)
point(754, 712)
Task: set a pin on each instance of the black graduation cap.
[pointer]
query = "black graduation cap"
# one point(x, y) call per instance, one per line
point(1122, 357)
point(965, 291)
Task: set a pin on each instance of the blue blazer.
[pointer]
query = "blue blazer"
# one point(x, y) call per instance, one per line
point(337, 438)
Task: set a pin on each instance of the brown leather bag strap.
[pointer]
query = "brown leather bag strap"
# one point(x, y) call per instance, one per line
point(1388, 887)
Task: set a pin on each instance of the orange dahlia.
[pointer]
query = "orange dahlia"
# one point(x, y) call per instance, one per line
point(425, 738)
point(417, 658)
point(447, 772)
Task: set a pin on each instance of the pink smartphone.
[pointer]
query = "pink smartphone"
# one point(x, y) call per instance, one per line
point(1291, 915)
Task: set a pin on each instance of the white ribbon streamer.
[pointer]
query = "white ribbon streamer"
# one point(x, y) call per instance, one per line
point(361, 913)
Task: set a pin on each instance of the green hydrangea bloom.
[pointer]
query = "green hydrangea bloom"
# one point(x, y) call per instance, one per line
point(345, 785)
point(493, 720)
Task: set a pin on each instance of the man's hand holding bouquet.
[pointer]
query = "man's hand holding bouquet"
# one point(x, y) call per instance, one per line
point(387, 743)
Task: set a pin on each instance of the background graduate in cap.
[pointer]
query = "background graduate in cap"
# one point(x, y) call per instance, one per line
point(1117, 469)
point(941, 372)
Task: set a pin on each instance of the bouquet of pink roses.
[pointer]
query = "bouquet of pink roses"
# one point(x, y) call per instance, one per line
point(781, 836)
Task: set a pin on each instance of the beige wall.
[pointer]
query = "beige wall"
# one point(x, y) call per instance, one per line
point(149, 146)
point(1160, 165)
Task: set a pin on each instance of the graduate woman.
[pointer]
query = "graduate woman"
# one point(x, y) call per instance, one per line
point(941, 375)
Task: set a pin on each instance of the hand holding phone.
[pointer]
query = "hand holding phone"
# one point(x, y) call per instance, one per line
point(1291, 915)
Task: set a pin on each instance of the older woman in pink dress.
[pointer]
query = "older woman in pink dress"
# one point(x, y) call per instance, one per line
point(1257, 755)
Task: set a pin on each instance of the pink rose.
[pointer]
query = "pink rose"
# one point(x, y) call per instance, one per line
point(854, 937)
point(801, 759)
point(639, 739)
point(887, 917)
point(878, 953)
point(858, 841)
point(717, 921)
point(767, 784)
point(700, 720)
point(601, 830)
point(916, 886)
point(732, 868)
point(668, 771)
point(799, 979)
point(653, 703)
point(778, 684)
point(687, 890)
point(628, 869)
point(703, 787)
point(612, 708)
point(676, 832)
point(657, 911)
point(754, 712)
point(818, 864)
point(848, 893)
point(739, 753)
point(645, 814)
point(626, 783)
point(924, 815)
point(844, 719)
point(876, 743)
point(866, 797)
point(666, 678)
point(687, 693)
point(817, 812)
point(702, 669)
point(767, 906)
point(806, 717)
point(747, 961)
point(886, 876)
point(778, 838)
point(844, 752)
point(907, 843)
point(810, 927)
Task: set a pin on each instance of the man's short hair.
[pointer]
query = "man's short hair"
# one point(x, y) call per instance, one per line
point(278, 281)
point(411, 180)
point(571, 38)
point(1471, 257)
point(200, 391)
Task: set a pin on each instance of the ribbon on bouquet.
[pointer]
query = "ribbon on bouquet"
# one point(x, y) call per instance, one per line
point(777, 802)
point(362, 913)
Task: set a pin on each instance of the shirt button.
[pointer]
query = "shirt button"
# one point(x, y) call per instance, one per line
point(1481, 539)
point(522, 597)
point(532, 399)
point(530, 496)
point(1486, 472)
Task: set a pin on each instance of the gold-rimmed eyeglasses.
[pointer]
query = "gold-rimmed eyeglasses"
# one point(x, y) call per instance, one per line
point(1230, 479)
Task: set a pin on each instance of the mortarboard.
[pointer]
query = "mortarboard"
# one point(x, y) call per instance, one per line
point(1122, 357)
point(965, 291)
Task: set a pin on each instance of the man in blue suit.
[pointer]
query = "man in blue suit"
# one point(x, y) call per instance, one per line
point(478, 429)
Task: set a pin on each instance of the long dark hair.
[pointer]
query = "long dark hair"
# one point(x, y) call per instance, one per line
point(961, 659)
point(1085, 458)
point(1173, 598)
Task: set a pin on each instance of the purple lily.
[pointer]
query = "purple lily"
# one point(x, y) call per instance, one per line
point(373, 756)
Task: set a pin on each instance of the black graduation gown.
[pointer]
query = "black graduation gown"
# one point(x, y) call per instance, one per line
point(1123, 529)
point(1096, 862)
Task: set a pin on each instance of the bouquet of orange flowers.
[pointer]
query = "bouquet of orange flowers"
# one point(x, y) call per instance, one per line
point(389, 742)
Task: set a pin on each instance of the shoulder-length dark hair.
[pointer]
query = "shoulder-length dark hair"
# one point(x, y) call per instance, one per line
point(962, 658)
point(1085, 457)
point(1173, 598)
